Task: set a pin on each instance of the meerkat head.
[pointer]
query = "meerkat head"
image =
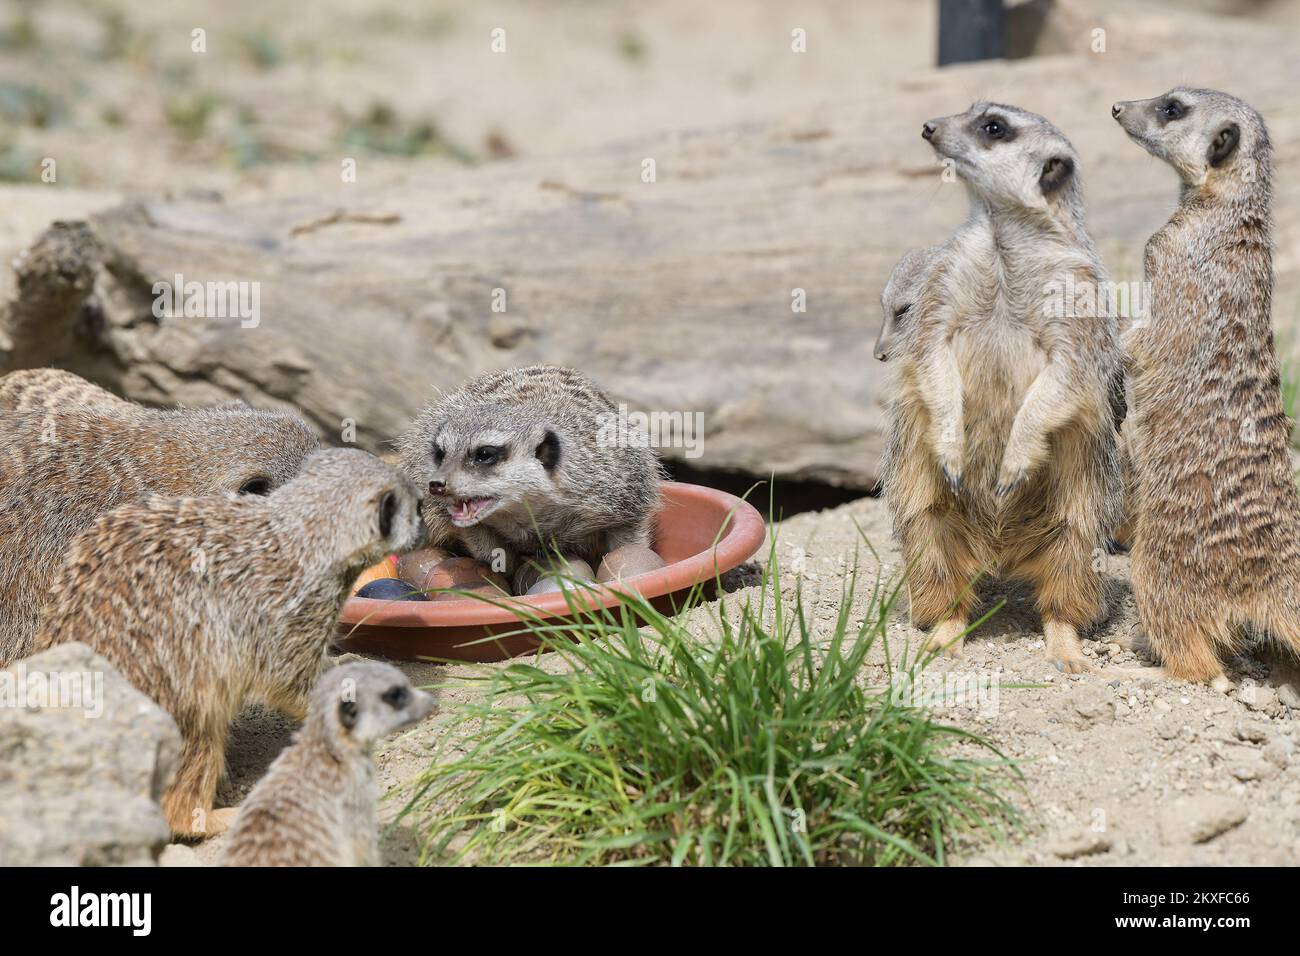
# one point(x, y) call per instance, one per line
point(488, 460)
point(244, 452)
point(1008, 157)
point(901, 292)
point(364, 702)
point(1207, 136)
point(351, 509)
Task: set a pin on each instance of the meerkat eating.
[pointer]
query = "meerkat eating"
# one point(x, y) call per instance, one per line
point(1216, 548)
point(316, 804)
point(72, 451)
point(1001, 456)
point(523, 463)
point(206, 604)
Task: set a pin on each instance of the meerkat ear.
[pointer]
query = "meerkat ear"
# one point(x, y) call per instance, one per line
point(348, 713)
point(1056, 173)
point(1225, 144)
point(548, 451)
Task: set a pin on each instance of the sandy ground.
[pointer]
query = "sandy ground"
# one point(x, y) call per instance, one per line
point(1118, 770)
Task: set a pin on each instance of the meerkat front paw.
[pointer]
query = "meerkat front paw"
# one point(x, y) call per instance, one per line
point(950, 464)
point(1013, 473)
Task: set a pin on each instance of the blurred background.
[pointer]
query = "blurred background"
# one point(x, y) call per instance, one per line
point(503, 146)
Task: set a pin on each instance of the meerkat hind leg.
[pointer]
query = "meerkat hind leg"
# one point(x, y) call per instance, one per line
point(948, 636)
point(1064, 649)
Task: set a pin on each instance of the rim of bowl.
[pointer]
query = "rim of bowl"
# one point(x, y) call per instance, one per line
point(743, 537)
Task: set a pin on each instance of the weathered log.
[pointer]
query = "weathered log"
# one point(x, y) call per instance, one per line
point(678, 294)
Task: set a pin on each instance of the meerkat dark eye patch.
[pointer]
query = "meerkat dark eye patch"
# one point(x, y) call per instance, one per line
point(487, 455)
point(348, 714)
point(256, 486)
point(548, 451)
point(995, 129)
point(1170, 110)
point(902, 311)
point(1225, 144)
point(396, 697)
point(1056, 173)
point(387, 512)
point(439, 454)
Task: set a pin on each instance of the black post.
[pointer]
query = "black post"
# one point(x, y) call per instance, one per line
point(971, 30)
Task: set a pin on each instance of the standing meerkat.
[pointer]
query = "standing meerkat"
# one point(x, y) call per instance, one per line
point(316, 804)
point(523, 462)
point(1217, 542)
point(1001, 455)
point(72, 451)
point(206, 604)
point(905, 284)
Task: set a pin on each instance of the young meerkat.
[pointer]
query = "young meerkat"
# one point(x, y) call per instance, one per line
point(1001, 456)
point(1216, 547)
point(902, 289)
point(206, 604)
point(525, 462)
point(316, 804)
point(72, 451)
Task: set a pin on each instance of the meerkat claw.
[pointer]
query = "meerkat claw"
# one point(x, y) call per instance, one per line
point(953, 478)
point(1005, 488)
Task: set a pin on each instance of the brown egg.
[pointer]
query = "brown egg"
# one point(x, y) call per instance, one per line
point(466, 593)
point(464, 574)
point(414, 566)
point(386, 568)
point(627, 562)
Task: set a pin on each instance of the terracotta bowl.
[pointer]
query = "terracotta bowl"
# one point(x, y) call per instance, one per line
point(466, 630)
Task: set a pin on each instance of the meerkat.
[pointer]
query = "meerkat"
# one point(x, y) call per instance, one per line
point(72, 451)
point(316, 804)
point(904, 286)
point(522, 463)
point(1216, 547)
point(1001, 455)
point(206, 604)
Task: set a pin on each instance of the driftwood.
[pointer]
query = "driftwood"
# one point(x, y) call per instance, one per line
point(679, 294)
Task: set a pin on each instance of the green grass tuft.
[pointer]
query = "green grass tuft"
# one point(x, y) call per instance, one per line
point(762, 745)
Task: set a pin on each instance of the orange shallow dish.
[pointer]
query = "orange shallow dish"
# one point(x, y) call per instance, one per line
point(685, 528)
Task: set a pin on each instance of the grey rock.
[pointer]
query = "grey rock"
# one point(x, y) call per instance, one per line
point(1200, 818)
point(1079, 843)
point(1088, 705)
point(1289, 696)
point(80, 784)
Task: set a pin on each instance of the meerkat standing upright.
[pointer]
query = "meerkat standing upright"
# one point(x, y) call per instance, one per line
point(1001, 455)
point(71, 451)
point(316, 805)
point(1217, 541)
point(205, 604)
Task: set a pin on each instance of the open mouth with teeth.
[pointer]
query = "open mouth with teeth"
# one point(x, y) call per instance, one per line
point(465, 512)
